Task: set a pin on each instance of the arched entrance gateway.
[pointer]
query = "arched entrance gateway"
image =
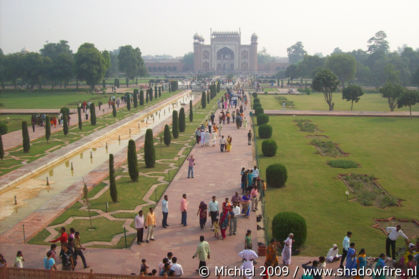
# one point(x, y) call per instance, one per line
point(225, 60)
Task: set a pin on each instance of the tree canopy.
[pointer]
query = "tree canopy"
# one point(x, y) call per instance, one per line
point(343, 66)
point(296, 53)
point(325, 81)
point(352, 93)
point(90, 64)
point(131, 62)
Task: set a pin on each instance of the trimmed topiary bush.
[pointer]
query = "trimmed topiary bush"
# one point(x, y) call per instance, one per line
point(149, 151)
point(265, 131)
point(65, 124)
point(128, 100)
point(269, 148)
point(276, 175)
point(256, 101)
point(92, 114)
point(113, 109)
point(175, 124)
point(262, 119)
point(25, 137)
point(285, 223)
point(190, 111)
point(203, 99)
point(135, 98)
point(1, 148)
point(343, 164)
point(167, 136)
point(80, 122)
point(112, 183)
point(141, 97)
point(182, 121)
point(259, 111)
point(47, 128)
point(132, 161)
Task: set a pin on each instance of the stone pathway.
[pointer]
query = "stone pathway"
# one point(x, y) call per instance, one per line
point(343, 113)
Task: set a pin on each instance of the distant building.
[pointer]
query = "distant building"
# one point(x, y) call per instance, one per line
point(169, 66)
point(225, 54)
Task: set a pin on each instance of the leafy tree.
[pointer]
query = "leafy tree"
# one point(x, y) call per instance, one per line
point(296, 53)
point(1, 147)
point(112, 183)
point(175, 124)
point(204, 99)
point(113, 109)
point(343, 66)
point(25, 137)
point(92, 114)
point(47, 128)
point(378, 43)
point(188, 62)
point(90, 64)
point(106, 60)
point(264, 57)
point(116, 83)
point(13, 67)
point(182, 121)
point(392, 92)
point(292, 71)
point(325, 81)
point(352, 93)
point(33, 67)
point(130, 61)
point(149, 151)
point(61, 69)
point(80, 118)
point(167, 136)
point(408, 98)
point(415, 77)
point(309, 66)
point(141, 97)
point(132, 161)
point(2, 69)
point(190, 111)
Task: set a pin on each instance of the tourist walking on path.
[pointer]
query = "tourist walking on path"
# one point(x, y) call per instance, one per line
point(222, 144)
point(176, 268)
point(202, 213)
point(351, 258)
point(202, 252)
point(63, 238)
point(345, 246)
point(19, 260)
point(393, 234)
point(224, 220)
point(78, 250)
point(249, 137)
point(271, 255)
point(139, 226)
point(254, 195)
point(67, 258)
point(235, 212)
point(191, 164)
point(165, 211)
point(150, 224)
point(228, 143)
point(49, 262)
point(213, 210)
point(248, 257)
point(184, 210)
point(287, 251)
point(248, 240)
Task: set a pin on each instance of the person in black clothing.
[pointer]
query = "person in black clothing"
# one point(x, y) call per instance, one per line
point(249, 137)
point(314, 265)
point(67, 258)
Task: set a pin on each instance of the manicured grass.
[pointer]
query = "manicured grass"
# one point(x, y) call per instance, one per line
point(343, 164)
point(14, 121)
point(315, 101)
point(386, 148)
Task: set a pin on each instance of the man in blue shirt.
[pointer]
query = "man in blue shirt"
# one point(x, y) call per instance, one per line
point(165, 210)
point(345, 244)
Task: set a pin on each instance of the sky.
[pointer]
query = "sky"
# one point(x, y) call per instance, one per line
point(167, 26)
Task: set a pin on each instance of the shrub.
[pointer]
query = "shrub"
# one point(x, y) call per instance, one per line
point(149, 151)
point(256, 101)
point(92, 114)
point(276, 175)
point(255, 95)
point(155, 92)
point(112, 183)
point(141, 97)
point(167, 135)
point(65, 111)
point(135, 98)
point(1, 148)
point(175, 124)
point(343, 164)
point(150, 94)
point(65, 124)
point(265, 131)
point(203, 99)
point(159, 91)
point(190, 111)
point(259, 110)
point(113, 109)
point(174, 85)
point(25, 137)
point(269, 148)
point(128, 100)
point(132, 161)
point(80, 120)
point(47, 128)
point(262, 119)
point(3, 128)
point(285, 223)
point(257, 106)
point(182, 121)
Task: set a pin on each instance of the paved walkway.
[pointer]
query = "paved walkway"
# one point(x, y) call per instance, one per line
point(343, 113)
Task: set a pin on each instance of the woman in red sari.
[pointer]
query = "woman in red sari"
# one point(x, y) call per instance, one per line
point(224, 221)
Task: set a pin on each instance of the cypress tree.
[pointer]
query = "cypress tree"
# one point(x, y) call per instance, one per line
point(112, 183)
point(159, 91)
point(65, 124)
point(113, 109)
point(208, 98)
point(47, 128)
point(135, 98)
point(92, 114)
point(155, 92)
point(146, 95)
point(25, 137)
point(128, 99)
point(167, 135)
point(150, 92)
point(175, 124)
point(218, 87)
point(2, 149)
point(190, 111)
point(149, 152)
point(203, 99)
point(132, 161)
point(141, 97)
point(80, 117)
point(182, 122)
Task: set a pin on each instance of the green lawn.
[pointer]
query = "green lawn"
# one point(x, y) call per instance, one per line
point(387, 148)
point(315, 101)
point(14, 121)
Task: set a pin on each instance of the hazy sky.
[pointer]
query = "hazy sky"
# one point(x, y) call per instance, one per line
point(167, 26)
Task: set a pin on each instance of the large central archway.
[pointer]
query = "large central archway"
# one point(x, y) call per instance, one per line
point(225, 60)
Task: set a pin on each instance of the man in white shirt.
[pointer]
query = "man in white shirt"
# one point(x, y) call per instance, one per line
point(233, 220)
point(333, 255)
point(165, 210)
point(176, 268)
point(345, 246)
point(222, 144)
point(213, 210)
point(255, 172)
point(139, 226)
point(393, 234)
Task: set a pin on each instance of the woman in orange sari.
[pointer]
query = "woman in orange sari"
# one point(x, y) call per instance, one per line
point(271, 255)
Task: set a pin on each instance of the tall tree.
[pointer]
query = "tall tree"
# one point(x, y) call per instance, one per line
point(408, 98)
point(167, 136)
point(112, 183)
point(128, 99)
point(292, 71)
point(343, 65)
point(92, 114)
point(65, 124)
point(113, 109)
point(25, 137)
point(182, 120)
point(80, 119)
point(325, 81)
point(47, 128)
point(203, 99)
point(296, 53)
point(1, 147)
point(141, 97)
point(378, 43)
point(90, 64)
point(132, 161)
point(2, 68)
point(190, 111)
point(130, 61)
point(135, 98)
point(149, 151)
point(175, 124)
point(309, 66)
point(392, 92)
point(352, 93)
point(61, 69)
